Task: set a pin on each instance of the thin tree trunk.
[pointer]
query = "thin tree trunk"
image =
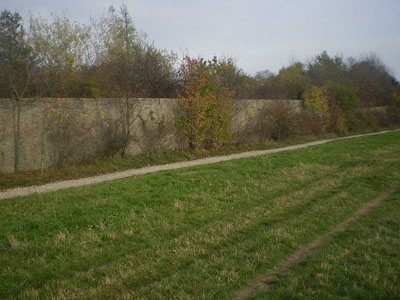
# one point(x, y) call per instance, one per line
point(17, 132)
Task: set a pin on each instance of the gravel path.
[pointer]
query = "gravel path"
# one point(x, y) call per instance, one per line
point(55, 186)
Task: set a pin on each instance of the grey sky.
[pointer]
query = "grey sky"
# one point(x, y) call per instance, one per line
point(259, 34)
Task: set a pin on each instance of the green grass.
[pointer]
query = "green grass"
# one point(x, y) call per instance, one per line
point(363, 262)
point(196, 233)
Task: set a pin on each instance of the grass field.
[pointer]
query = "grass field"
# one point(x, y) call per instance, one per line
point(361, 263)
point(205, 232)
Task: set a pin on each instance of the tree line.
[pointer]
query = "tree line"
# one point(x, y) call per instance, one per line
point(109, 57)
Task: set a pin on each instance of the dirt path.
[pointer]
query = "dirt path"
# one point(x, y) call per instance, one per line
point(55, 186)
point(264, 282)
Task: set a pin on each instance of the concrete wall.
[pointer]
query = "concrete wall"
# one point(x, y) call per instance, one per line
point(39, 118)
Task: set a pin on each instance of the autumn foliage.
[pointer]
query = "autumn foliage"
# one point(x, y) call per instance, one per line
point(110, 58)
point(205, 105)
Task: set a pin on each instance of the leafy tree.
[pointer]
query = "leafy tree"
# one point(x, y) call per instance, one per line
point(63, 51)
point(263, 75)
point(16, 58)
point(155, 72)
point(291, 81)
point(375, 84)
point(16, 68)
point(126, 66)
point(344, 96)
point(118, 47)
point(226, 72)
point(323, 69)
point(266, 85)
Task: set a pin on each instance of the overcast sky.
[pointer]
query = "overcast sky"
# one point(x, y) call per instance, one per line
point(260, 34)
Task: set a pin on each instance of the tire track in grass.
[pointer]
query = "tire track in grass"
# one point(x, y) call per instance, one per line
point(300, 185)
point(265, 281)
point(233, 242)
point(204, 227)
point(151, 280)
point(219, 216)
point(232, 213)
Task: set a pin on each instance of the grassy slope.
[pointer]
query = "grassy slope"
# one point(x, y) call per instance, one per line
point(361, 263)
point(198, 235)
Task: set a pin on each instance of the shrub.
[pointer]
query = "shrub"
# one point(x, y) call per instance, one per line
point(308, 123)
point(157, 134)
point(337, 121)
point(291, 82)
point(72, 138)
point(383, 118)
point(336, 107)
point(249, 131)
point(367, 120)
point(114, 139)
point(394, 109)
point(205, 106)
point(277, 122)
point(316, 101)
point(343, 96)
